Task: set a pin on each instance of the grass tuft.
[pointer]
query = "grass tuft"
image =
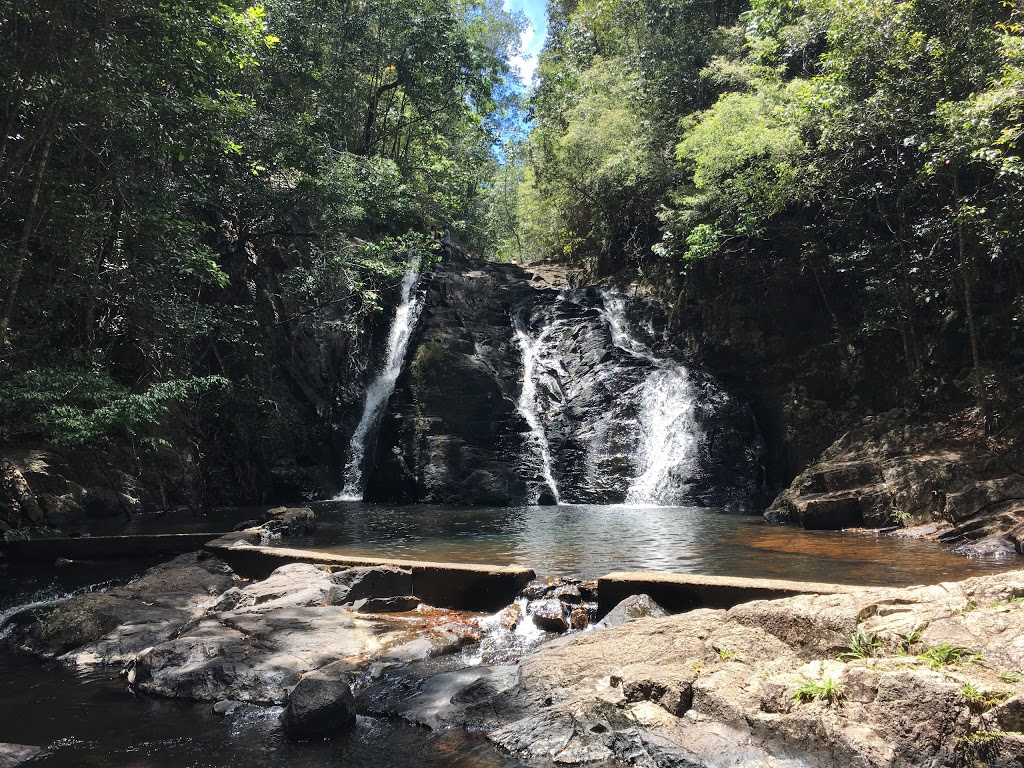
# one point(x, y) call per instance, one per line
point(828, 691)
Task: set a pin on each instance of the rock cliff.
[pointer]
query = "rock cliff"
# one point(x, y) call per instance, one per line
point(943, 478)
point(496, 345)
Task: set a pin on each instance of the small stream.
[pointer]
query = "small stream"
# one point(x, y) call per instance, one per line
point(87, 719)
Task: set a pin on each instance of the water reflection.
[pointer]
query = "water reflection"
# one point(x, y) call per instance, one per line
point(591, 540)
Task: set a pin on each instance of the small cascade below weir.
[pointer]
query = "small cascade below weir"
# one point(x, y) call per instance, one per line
point(381, 388)
point(528, 403)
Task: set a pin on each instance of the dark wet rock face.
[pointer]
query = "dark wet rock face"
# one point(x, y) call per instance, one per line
point(452, 432)
point(624, 418)
point(518, 393)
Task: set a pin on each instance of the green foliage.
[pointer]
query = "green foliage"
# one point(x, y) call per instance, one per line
point(908, 642)
point(861, 644)
point(72, 407)
point(828, 691)
point(871, 145)
point(26, 534)
point(976, 750)
point(615, 79)
point(945, 655)
point(982, 700)
point(191, 185)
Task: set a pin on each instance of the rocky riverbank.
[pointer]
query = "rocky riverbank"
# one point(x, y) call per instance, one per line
point(923, 676)
point(945, 479)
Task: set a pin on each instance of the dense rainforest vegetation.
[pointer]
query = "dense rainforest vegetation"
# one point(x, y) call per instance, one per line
point(183, 182)
point(833, 189)
point(828, 194)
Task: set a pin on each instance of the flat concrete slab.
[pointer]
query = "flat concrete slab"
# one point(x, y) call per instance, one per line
point(444, 585)
point(101, 547)
point(679, 592)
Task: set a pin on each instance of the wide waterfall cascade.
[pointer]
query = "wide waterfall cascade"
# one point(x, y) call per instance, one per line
point(381, 388)
point(528, 401)
point(668, 446)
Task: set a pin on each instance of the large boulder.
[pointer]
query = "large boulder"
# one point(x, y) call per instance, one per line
point(18, 505)
point(320, 705)
point(289, 522)
point(110, 627)
point(633, 607)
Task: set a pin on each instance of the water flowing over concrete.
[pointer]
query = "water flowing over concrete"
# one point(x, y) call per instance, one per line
point(383, 385)
point(527, 403)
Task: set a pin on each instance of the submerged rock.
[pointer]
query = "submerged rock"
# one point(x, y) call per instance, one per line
point(226, 707)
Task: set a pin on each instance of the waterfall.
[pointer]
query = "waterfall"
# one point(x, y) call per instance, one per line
point(615, 316)
point(666, 457)
point(527, 403)
point(669, 439)
point(381, 388)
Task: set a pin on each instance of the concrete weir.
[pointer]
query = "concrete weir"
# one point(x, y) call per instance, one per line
point(680, 592)
point(461, 586)
point(445, 585)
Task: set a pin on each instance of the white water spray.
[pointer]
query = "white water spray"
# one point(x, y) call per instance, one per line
point(381, 388)
point(669, 434)
point(666, 457)
point(527, 404)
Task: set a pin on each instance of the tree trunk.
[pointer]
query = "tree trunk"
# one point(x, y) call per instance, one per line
point(966, 278)
point(26, 234)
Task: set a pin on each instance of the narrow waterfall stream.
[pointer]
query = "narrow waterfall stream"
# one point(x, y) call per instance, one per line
point(528, 405)
point(381, 388)
point(669, 436)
